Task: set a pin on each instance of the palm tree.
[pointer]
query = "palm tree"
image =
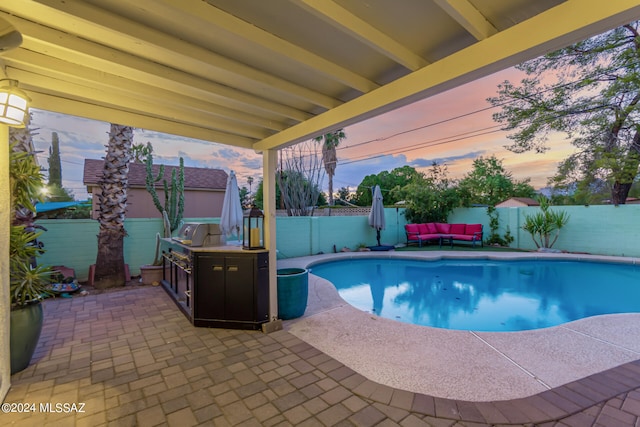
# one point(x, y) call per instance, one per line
point(329, 156)
point(110, 267)
point(250, 181)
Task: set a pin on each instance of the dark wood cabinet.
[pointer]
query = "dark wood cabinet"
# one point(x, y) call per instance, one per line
point(221, 289)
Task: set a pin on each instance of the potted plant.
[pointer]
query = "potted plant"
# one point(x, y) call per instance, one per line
point(28, 285)
point(28, 281)
point(151, 274)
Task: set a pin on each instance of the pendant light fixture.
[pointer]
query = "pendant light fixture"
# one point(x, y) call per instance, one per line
point(14, 104)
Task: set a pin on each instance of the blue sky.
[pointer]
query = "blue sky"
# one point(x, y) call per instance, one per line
point(451, 128)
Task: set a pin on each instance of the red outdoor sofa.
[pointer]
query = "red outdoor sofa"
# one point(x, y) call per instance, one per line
point(442, 232)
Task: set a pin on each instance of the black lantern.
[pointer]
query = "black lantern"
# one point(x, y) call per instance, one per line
point(253, 236)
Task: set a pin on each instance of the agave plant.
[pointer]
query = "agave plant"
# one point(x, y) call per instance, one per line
point(544, 226)
point(29, 284)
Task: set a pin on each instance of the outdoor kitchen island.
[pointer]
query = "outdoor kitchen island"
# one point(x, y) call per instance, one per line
point(218, 286)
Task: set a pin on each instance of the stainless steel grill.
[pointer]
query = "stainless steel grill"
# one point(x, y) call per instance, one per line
point(199, 234)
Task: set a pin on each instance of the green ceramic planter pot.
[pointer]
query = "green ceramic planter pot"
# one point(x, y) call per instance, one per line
point(293, 290)
point(25, 328)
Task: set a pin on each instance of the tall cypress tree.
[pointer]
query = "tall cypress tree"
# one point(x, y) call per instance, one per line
point(55, 168)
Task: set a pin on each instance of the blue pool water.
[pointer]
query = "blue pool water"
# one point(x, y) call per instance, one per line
point(483, 295)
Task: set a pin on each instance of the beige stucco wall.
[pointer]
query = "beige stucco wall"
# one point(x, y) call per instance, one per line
point(5, 361)
point(197, 203)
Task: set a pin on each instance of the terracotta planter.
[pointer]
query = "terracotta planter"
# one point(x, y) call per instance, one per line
point(151, 274)
point(25, 328)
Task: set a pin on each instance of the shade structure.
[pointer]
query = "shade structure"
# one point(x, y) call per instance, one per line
point(376, 216)
point(231, 216)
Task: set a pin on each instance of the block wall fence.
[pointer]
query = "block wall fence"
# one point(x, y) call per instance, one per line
point(603, 230)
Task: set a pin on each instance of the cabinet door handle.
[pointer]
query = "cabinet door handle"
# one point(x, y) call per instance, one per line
point(232, 268)
point(217, 268)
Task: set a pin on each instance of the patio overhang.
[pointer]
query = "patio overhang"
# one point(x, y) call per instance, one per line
point(263, 75)
point(266, 74)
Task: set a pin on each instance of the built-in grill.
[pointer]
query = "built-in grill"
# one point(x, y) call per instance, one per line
point(179, 260)
point(199, 234)
point(213, 284)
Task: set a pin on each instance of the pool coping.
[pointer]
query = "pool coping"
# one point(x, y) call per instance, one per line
point(463, 365)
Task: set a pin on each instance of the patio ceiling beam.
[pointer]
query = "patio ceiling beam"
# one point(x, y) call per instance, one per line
point(465, 14)
point(117, 115)
point(560, 26)
point(58, 44)
point(239, 28)
point(347, 22)
point(99, 25)
point(55, 68)
point(115, 98)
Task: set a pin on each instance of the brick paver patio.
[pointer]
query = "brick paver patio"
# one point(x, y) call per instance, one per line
point(130, 358)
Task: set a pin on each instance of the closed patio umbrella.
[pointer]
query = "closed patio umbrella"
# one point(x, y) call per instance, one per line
point(376, 216)
point(231, 216)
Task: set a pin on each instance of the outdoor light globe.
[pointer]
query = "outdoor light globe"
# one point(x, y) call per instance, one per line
point(14, 104)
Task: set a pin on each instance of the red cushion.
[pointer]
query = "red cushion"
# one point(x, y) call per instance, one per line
point(457, 228)
point(473, 228)
point(443, 228)
point(429, 236)
point(422, 229)
point(462, 237)
point(432, 228)
point(411, 228)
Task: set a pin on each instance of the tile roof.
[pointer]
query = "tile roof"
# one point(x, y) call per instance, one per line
point(526, 200)
point(194, 178)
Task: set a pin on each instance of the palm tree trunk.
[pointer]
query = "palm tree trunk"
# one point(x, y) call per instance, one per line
point(329, 156)
point(331, 201)
point(110, 266)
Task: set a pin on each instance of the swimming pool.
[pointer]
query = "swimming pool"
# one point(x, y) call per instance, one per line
point(484, 295)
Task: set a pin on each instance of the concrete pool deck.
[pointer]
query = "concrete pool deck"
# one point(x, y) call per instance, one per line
point(465, 365)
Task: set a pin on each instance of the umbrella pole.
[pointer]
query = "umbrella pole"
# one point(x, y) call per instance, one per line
point(378, 237)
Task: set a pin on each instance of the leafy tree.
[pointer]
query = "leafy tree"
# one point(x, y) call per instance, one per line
point(397, 178)
point(245, 198)
point(329, 156)
point(494, 238)
point(56, 193)
point(250, 181)
point(55, 168)
point(259, 202)
point(259, 195)
point(344, 195)
point(488, 183)
point(82, 211)
point(299, 177)
point(589, 91)
point(430, 197)
point(112, 199)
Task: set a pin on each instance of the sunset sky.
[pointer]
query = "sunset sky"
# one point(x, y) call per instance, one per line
point(467, 131)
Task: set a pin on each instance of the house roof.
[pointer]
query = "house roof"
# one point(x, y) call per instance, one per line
point(524, 200)
point(194, 178)
point(266, 74)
